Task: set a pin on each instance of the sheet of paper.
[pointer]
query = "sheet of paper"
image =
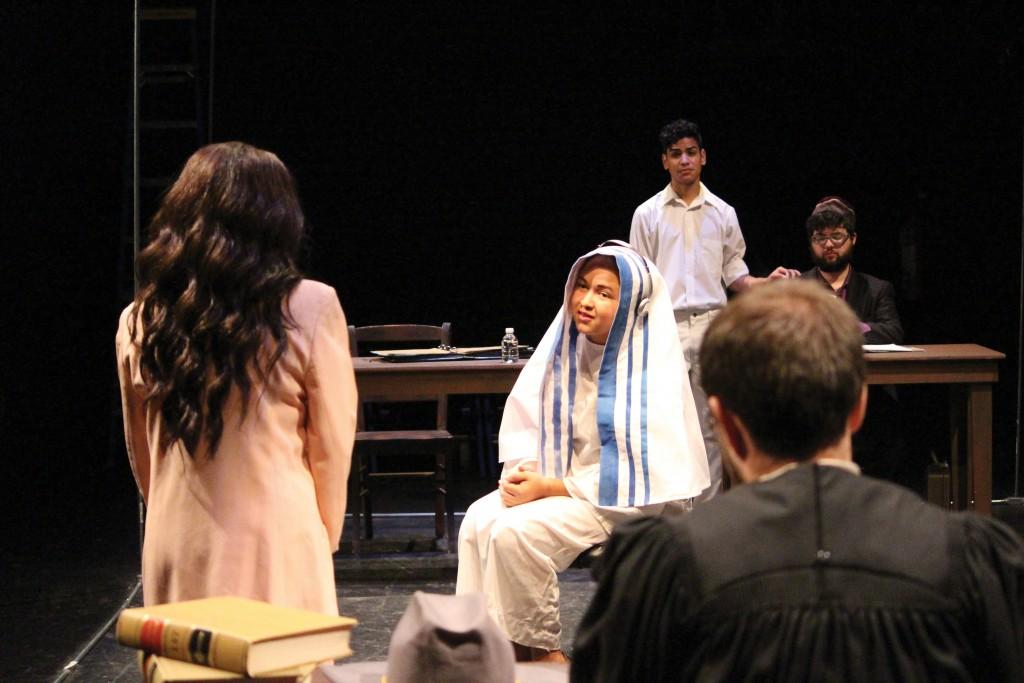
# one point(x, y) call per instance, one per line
point(882, 348)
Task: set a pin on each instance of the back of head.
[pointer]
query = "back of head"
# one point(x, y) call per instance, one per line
point(234, 200)
point(220, 261)
point(787, 358)
point(677, 130)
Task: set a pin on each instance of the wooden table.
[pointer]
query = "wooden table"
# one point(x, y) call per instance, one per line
point(970, 371)
point(378, 378)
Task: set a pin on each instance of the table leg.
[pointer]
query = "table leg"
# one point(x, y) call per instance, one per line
point(957, 402)
point(979, 448)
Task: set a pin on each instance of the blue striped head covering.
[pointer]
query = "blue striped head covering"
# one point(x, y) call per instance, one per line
point(651, 445)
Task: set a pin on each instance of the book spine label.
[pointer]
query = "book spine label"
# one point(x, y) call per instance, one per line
point(199, 646)
point(184, 642)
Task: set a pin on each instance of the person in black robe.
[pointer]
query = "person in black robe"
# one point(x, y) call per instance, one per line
point(807, 571)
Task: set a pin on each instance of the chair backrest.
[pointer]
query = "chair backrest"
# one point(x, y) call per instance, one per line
point(361, 340)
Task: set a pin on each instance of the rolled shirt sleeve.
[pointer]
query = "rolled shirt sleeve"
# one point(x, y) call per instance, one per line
point(733, 248)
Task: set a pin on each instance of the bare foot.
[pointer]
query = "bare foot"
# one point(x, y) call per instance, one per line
point(554, 656)
point(525, 653)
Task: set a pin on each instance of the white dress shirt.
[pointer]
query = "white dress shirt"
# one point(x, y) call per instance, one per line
point(698, 247)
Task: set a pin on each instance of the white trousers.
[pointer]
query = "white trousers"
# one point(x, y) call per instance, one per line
point(691, 329)
point(513, 554)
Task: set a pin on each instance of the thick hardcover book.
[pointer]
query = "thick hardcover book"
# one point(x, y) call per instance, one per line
point(157, 669)
point(235, 634)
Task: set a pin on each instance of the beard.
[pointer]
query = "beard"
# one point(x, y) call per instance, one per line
point(835, 266)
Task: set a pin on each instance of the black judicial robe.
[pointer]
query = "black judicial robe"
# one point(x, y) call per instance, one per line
point(817, 575)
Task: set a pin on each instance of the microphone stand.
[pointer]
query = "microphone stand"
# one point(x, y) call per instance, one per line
point(1016, 500)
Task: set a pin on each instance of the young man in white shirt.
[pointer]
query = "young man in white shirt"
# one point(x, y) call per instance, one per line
point(694, 239)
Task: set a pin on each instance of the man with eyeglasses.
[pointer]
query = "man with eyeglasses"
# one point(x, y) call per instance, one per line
point(832, 231)
point(879, 447)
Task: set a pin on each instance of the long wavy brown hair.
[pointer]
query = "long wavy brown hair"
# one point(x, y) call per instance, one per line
point(212, 281)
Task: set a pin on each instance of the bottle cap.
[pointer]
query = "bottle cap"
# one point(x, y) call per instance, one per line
point(509, 330)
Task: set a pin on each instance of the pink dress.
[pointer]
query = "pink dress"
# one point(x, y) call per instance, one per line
point(262, 518)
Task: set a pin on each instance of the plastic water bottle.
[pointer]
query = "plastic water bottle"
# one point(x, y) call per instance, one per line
point(509, 346)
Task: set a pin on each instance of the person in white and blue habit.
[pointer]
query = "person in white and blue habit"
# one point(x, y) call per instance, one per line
point(600, 427)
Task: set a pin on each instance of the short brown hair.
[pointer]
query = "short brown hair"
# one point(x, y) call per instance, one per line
point(787, 358)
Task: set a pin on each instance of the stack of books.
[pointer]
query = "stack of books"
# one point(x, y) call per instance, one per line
point(231, 639)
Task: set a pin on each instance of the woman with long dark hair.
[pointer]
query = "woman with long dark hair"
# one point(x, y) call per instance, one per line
point(238, 392)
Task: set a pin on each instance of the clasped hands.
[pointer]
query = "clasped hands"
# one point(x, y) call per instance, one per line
point(523, 484)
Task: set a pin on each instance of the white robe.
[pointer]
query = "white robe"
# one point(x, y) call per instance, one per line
point(616, 423)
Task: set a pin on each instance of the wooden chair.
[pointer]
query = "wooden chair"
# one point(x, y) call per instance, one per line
point(438, 443)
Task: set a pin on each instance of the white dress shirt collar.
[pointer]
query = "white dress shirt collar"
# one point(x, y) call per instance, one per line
point(705, 196)
point(848, 465)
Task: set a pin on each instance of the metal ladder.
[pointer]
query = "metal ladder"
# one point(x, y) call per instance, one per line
point(171, 111)
point(171, 117)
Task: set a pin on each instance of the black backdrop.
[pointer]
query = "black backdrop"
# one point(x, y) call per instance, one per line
point(454, 158)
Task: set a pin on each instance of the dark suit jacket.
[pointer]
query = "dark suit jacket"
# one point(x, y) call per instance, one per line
point(874, 302)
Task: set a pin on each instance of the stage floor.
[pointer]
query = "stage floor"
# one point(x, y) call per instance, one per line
point(378, 605)
point(53, 607)
point(60, 589)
